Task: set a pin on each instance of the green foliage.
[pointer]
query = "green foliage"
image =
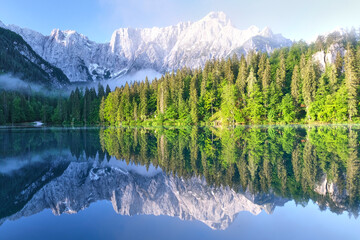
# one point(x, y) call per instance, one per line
point(287, 109)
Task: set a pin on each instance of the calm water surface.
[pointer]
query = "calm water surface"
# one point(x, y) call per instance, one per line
point(188, 183)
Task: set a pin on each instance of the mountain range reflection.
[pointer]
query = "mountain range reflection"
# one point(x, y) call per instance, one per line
point(201, 174)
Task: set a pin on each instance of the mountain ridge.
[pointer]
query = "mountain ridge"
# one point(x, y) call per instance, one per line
point(186, 44)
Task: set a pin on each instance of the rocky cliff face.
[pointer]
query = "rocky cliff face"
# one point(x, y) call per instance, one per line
point(132, 192)
point(324, 58)
point(161, 49)
point(328, 56)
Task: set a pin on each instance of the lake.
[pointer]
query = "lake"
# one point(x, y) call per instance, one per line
point(265, 182)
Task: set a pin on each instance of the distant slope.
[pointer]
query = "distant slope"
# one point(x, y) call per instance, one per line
point(18, 58)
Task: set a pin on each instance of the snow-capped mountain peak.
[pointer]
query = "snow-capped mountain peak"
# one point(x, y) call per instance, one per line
point(253, 29)
point(266, 32)
point(219, 17)
point(188, 44)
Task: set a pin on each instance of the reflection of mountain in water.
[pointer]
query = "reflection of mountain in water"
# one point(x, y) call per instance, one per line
point(132, 193)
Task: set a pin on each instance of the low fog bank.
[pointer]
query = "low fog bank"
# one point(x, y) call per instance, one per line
point(118, 82)
point(9, 82)
point(13, 83)
point(133, 77)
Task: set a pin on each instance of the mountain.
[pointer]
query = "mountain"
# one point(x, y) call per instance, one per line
point(132, 191)
point(18, 58)
point(161, 49)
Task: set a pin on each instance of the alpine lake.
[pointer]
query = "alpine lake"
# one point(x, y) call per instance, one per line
point(261, 182)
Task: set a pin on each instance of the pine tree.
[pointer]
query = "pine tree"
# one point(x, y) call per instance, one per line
point(252, 82)
point(101, 91)
point(144, 100)
point(126, 103)
point(229, 75)
point(339, 62)
point(2, 117)
point(333, 79)
point(101, 110)
point(262, 65)
point(86, 106)
point(193, 100)
point(228, 104)
point(295, 84)
point(266, 80)
point(309, 86)
point(242, 76)
point(75, 99)
point(135, 110)
point(281, 73)
point(351, 81)
point(302, 66)
point(17, 115)
point(108, 90)
point(235, 65)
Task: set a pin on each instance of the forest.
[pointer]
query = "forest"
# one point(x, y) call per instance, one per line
point(286, 86)
point(26, 105)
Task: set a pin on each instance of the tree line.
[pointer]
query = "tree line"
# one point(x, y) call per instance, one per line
point(81, 107)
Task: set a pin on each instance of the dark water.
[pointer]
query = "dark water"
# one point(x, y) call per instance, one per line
point(188, 183)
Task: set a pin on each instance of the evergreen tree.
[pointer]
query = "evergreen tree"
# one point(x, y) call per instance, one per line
point(144, 100)
point(75, 103)
point(193, 100)
point(102, 110)
point(242, 76)
point(229, 74)
point(228, 110)
point(262, 65)
point(281, 73)
point(295, 84)
point(352, 81)
point(266, 80)
point(339, 62)
point(17, 115)
point(309, 86)
point(108, 90)
point(101, 91)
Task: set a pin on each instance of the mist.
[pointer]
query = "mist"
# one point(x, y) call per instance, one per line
point(12, 83)
point(9, 82)
point(133, 77)
point(130, 78)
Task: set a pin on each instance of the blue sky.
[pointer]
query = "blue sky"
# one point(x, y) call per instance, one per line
point(97, 19)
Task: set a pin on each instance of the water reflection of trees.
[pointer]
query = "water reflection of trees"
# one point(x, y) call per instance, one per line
point(319, 163)
point(312, 163)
